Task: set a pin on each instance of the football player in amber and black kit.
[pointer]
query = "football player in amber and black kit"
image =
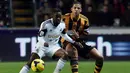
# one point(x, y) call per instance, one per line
point(77, 26)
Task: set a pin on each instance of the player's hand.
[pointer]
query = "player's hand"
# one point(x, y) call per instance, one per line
point(46, 44)
point(78, 44)
point(75, 33)
point(78, 40)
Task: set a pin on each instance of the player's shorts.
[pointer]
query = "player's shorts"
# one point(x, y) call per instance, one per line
point(82, 52)
point(46, 51)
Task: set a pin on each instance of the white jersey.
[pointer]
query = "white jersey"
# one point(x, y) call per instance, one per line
point(52, 34)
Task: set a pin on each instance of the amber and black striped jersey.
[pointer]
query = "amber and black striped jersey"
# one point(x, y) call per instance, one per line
point(80, 24)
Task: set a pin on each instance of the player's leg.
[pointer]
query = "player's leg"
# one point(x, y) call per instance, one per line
point(99, 60)
point(62, 55)
point(72, 52)
point(91, 52)
point(26, 67)
point(73, 55)
point(36, 54)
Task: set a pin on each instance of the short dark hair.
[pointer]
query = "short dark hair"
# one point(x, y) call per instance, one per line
point(76, 2)
point(55, 10)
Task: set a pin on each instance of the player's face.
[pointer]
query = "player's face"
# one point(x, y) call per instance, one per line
point(76, 9)
point(57, 17)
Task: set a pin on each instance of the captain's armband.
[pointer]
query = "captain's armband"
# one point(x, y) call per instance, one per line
point(42, 32)
point(64, 31)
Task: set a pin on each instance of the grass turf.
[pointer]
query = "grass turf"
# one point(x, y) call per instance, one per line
point(84, 67)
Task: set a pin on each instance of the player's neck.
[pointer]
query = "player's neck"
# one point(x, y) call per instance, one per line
point(55, 24)
point(74, 17)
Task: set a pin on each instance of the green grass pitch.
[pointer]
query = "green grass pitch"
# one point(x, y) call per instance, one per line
point(84, 67)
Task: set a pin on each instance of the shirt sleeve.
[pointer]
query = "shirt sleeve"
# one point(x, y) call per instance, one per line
point(67, 38)
point(86, 26)
point(42, 30)
point(42, 26)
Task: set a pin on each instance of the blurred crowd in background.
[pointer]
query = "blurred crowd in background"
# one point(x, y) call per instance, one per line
point(101, 13)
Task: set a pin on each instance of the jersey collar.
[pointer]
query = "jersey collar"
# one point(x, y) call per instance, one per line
point(53, 22)
point(72, 17)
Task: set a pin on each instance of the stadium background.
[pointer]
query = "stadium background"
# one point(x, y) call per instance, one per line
point(109, 32)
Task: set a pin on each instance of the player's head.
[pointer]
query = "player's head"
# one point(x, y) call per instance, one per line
point(57, 15)
point(76, 8)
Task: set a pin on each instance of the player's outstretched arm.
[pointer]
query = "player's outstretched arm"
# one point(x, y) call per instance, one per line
point(67, 38)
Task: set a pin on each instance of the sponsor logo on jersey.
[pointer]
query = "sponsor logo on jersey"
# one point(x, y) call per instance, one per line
point(53, 36)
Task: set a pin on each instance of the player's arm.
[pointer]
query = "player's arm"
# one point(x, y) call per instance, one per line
point(85, 31)
point(76, 34)
point(42, 32)
point(67, 38)
point(86, 28)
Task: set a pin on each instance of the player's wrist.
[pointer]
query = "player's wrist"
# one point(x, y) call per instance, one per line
point(72, 42)
point(46, 44)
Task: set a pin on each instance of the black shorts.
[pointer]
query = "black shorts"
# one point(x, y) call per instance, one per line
point(83, 52)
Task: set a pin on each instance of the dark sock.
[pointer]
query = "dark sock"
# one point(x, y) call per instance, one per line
point(98, 66)
point(74, 66)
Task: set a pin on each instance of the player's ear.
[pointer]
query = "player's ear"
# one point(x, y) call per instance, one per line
point(81, 10)
point(71, 9)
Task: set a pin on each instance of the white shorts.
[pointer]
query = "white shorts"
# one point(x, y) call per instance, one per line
point(46, 51)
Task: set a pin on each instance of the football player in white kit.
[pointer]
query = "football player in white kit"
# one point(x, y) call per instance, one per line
point(49, 34)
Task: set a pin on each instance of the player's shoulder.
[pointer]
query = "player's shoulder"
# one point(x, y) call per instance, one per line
point(46, 22)
point(66, 15)
point(62, 23)
point(83, 17)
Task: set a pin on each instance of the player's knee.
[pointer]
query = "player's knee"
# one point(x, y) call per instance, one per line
point(61, 54)
point(72, 52)
point(65, 55)
point(99, 61)
point(101, 58)
point(69, 48)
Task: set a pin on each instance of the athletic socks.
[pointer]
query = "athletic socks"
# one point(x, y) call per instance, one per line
point(74, 66)
point(98, 66)
point(25, 69)
point(59, 66)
